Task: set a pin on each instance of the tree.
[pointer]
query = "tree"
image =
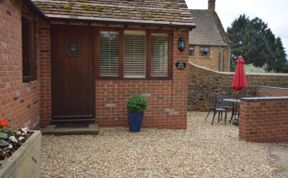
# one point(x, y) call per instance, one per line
point(257, 43)
point(280, 64)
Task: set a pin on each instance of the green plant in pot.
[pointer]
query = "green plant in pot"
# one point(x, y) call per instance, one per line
point(137, 104)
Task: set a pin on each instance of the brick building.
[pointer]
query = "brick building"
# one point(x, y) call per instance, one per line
point(208, 41)
point(79, 61)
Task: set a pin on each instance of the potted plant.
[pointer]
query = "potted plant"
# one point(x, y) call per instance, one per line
point(19, 151)
point(137, 104)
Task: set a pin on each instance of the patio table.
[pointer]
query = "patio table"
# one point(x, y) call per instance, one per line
point(235, 108)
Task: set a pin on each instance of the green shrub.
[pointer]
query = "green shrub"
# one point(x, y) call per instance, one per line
point(137, 103)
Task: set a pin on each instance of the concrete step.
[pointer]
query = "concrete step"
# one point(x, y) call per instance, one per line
point(71, 129)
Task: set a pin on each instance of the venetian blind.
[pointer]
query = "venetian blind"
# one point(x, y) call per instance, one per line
point(109, 54)
point(159, 55)
point(135, 54)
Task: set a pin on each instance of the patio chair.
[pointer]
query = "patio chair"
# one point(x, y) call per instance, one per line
point(215, 108)
point(222, 104)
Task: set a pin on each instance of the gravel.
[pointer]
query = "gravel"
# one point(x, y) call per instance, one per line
point(200, 151)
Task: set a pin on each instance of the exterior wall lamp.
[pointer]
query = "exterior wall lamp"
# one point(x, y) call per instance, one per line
point(181, 43)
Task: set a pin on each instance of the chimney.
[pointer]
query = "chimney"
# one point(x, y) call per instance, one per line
point(211, 5)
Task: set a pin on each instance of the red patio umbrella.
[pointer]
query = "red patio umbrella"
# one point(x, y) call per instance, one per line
point(239, 80)
point(239, 83)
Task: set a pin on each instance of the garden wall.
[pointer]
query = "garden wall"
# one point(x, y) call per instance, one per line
point(264, 119)
point(203, 81)
point(271, 91)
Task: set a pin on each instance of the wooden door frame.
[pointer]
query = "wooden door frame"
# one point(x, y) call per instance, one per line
point(90, 30)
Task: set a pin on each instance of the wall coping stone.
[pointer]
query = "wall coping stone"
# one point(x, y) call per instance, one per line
point(232, 73)
point(273, 88)
point(265, 98)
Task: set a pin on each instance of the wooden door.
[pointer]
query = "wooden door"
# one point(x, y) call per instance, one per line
point(73, 87)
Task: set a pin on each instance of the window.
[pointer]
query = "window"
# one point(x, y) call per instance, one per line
point(135, 54)
point(159, 55)
point(109, 54)
point(132, 54)
point(205, 51)
point(29, 63)
point(191, 50)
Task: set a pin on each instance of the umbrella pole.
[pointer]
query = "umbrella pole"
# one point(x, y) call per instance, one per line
point(238, 94)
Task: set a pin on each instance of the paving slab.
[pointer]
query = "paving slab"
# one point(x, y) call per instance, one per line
point(280, 153)
point(75, 129)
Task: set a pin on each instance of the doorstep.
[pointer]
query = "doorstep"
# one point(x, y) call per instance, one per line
point(71, 129)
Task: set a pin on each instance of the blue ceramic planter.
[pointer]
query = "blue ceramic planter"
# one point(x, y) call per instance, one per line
point(135, 121)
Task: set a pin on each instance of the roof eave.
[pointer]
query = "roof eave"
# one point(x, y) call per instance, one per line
point(122, 21)
point(34, 9)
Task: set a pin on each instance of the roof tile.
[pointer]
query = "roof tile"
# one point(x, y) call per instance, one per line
point(169, 12)
point(206, 31)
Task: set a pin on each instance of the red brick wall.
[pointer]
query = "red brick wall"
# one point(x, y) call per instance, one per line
point(264, 119)
point(167, 98)
point(271, 91)
point(18, 101)
point(45, 73)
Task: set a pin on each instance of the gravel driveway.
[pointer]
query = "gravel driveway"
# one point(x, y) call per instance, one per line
point(200, 151)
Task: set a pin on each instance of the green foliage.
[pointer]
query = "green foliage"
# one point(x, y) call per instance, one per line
point(257, 43)
point(250, 68)
point(3, 135)
point(137, 103)
point(3, 143)
point(7, 130)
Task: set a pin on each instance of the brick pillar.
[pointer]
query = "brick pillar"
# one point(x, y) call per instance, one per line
point(45, 74)
point(180, 80)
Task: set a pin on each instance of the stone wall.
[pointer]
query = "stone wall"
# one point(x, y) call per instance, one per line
point(203, 81)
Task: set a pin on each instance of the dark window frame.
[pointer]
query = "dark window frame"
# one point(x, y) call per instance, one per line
point(28, 53)
point(193, 54)
point(170, 49)
point(208, 54)
point(122, 49)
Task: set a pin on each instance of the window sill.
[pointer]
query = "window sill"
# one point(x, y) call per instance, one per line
point(30, 82)
point(29, 79)
point(205, 57)
point(133, 79)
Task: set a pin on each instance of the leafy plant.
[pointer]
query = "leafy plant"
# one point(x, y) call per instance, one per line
point(137, 103)
point(10, 141)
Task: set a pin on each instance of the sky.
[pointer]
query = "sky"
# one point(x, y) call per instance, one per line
point(274, 13)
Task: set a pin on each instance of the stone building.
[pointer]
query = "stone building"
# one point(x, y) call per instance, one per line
point(208, 45)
